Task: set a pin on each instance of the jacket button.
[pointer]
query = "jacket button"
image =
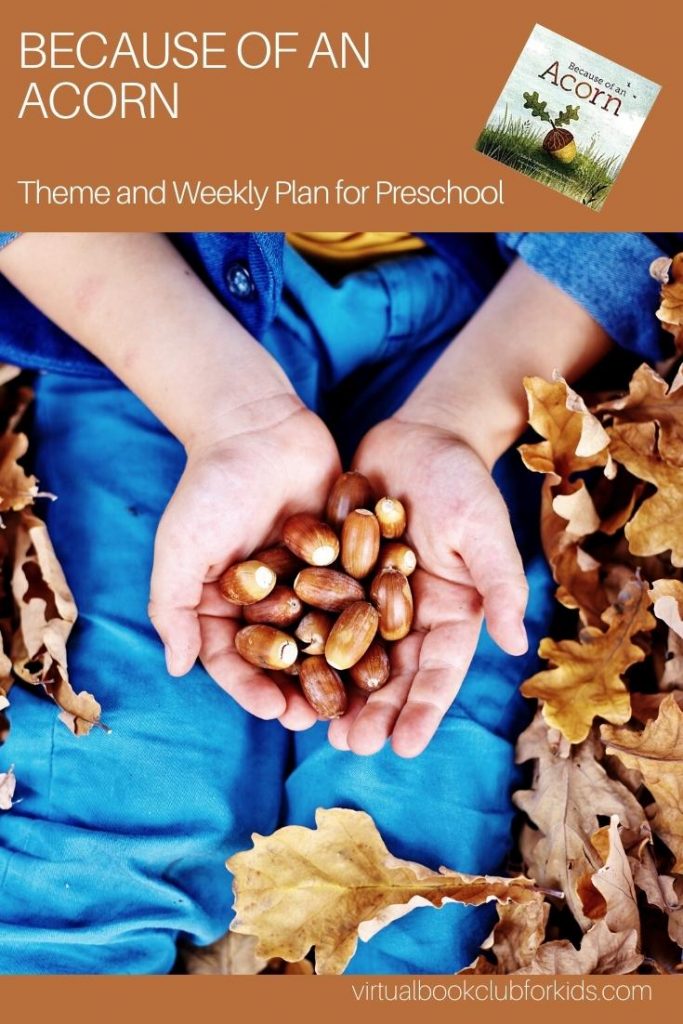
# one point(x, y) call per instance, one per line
point(239, 280)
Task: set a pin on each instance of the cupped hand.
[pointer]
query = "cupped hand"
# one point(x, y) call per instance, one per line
point(469, 568)
point(231, 500)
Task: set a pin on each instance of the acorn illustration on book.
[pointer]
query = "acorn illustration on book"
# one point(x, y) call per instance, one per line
point(559, 142)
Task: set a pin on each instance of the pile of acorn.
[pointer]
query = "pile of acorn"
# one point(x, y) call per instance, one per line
point(313, 620)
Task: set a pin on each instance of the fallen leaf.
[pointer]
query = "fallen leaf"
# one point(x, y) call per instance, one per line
point(667, 598)
point(8, 784)
point(587, 681)
point(658, 523)
point(614, 881)
point(670, 311)
point(570, 789)
point(650, 400)
point(17, 488)
point(657, 753)
point(515, 939)
point(602, 952)
point(328, 886)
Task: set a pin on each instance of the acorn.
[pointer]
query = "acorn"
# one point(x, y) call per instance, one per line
point(247, 582)
point(397, 555)
point(373, 670)
point(322, 687)
point(351, 635)
point(313, 631)
point(392, 517)
point(266, 647)
point(559, 143)
point(280, 608)
point(328, 589)
point(280, 559)
point(360, 542)
point(393, 598)
point(310, 539)
point(351, 491)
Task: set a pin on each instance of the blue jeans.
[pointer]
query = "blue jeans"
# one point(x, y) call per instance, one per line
point(117, 848)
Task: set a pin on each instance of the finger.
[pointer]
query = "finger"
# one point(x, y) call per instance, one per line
point(338, 730)
point(213, 603)
point(444, 658)
point(488, 547)
point(374, 723)
point(253, 690)
point(175, 591)
point(298, 715)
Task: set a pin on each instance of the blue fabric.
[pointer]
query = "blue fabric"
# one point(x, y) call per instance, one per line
point(607, 273)
point(116, 849)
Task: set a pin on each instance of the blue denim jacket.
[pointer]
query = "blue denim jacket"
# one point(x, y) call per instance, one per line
point(606, 272)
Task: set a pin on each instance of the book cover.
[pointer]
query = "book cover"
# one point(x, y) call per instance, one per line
point(567, 117)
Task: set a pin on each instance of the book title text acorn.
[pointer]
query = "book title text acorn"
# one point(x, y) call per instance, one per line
point(144, 97)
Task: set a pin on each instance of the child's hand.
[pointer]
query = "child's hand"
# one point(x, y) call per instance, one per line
point(232, 499)
point(469, 561)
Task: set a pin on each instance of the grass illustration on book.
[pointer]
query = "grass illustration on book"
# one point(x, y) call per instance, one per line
point(583, 161)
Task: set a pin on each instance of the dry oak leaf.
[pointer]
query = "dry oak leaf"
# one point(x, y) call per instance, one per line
point(329, 886)
point(661, 891)
point(658, 523)
point(515, 939)
point(670, 311)
point(587, 680)
point(8, 784)
point(17, 488)
point(651, 400)
point(577, 574)
point(657, 753)
point(614, 882)
point(570, 789)
point(667, 598)
point(602, 952)
point(47, 613)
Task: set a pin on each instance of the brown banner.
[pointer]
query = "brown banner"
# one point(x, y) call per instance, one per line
point(393, 1000)
point(410, 118)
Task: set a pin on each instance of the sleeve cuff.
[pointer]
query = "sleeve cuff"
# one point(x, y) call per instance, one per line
point(607, 273)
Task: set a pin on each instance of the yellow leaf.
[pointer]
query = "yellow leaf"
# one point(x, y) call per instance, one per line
point(658, 524)
point(650, 400)
point(657, 753)
point(587, 680)
point(328, 886)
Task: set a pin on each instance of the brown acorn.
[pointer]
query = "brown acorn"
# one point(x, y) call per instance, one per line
point(266, 647)
point(313, 631)
point(247, 582)
point(397, 555)
point(328, 589)
point(373, 670)
point(392, 517)
point(280, 608)
point(359, 543)
point(322, 688)
point(351, 635)
point(310, 539)
point(280, 559)
point(351, 491)
point(393, 598)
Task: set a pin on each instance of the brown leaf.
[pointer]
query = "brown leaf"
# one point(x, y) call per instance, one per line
point(47, 613)
point(587, 680)
point(658, 523)
point(515, 939)
point(328, 886)
point(657, 753)
point(602, 952)
point(231, 954)
point(614, 882)
point(650, 400)
point(570, 789)
point(8, 784)
point(670, 311)
point(17, 489)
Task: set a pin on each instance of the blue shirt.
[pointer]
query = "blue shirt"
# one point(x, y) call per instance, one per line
point(607, 273)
